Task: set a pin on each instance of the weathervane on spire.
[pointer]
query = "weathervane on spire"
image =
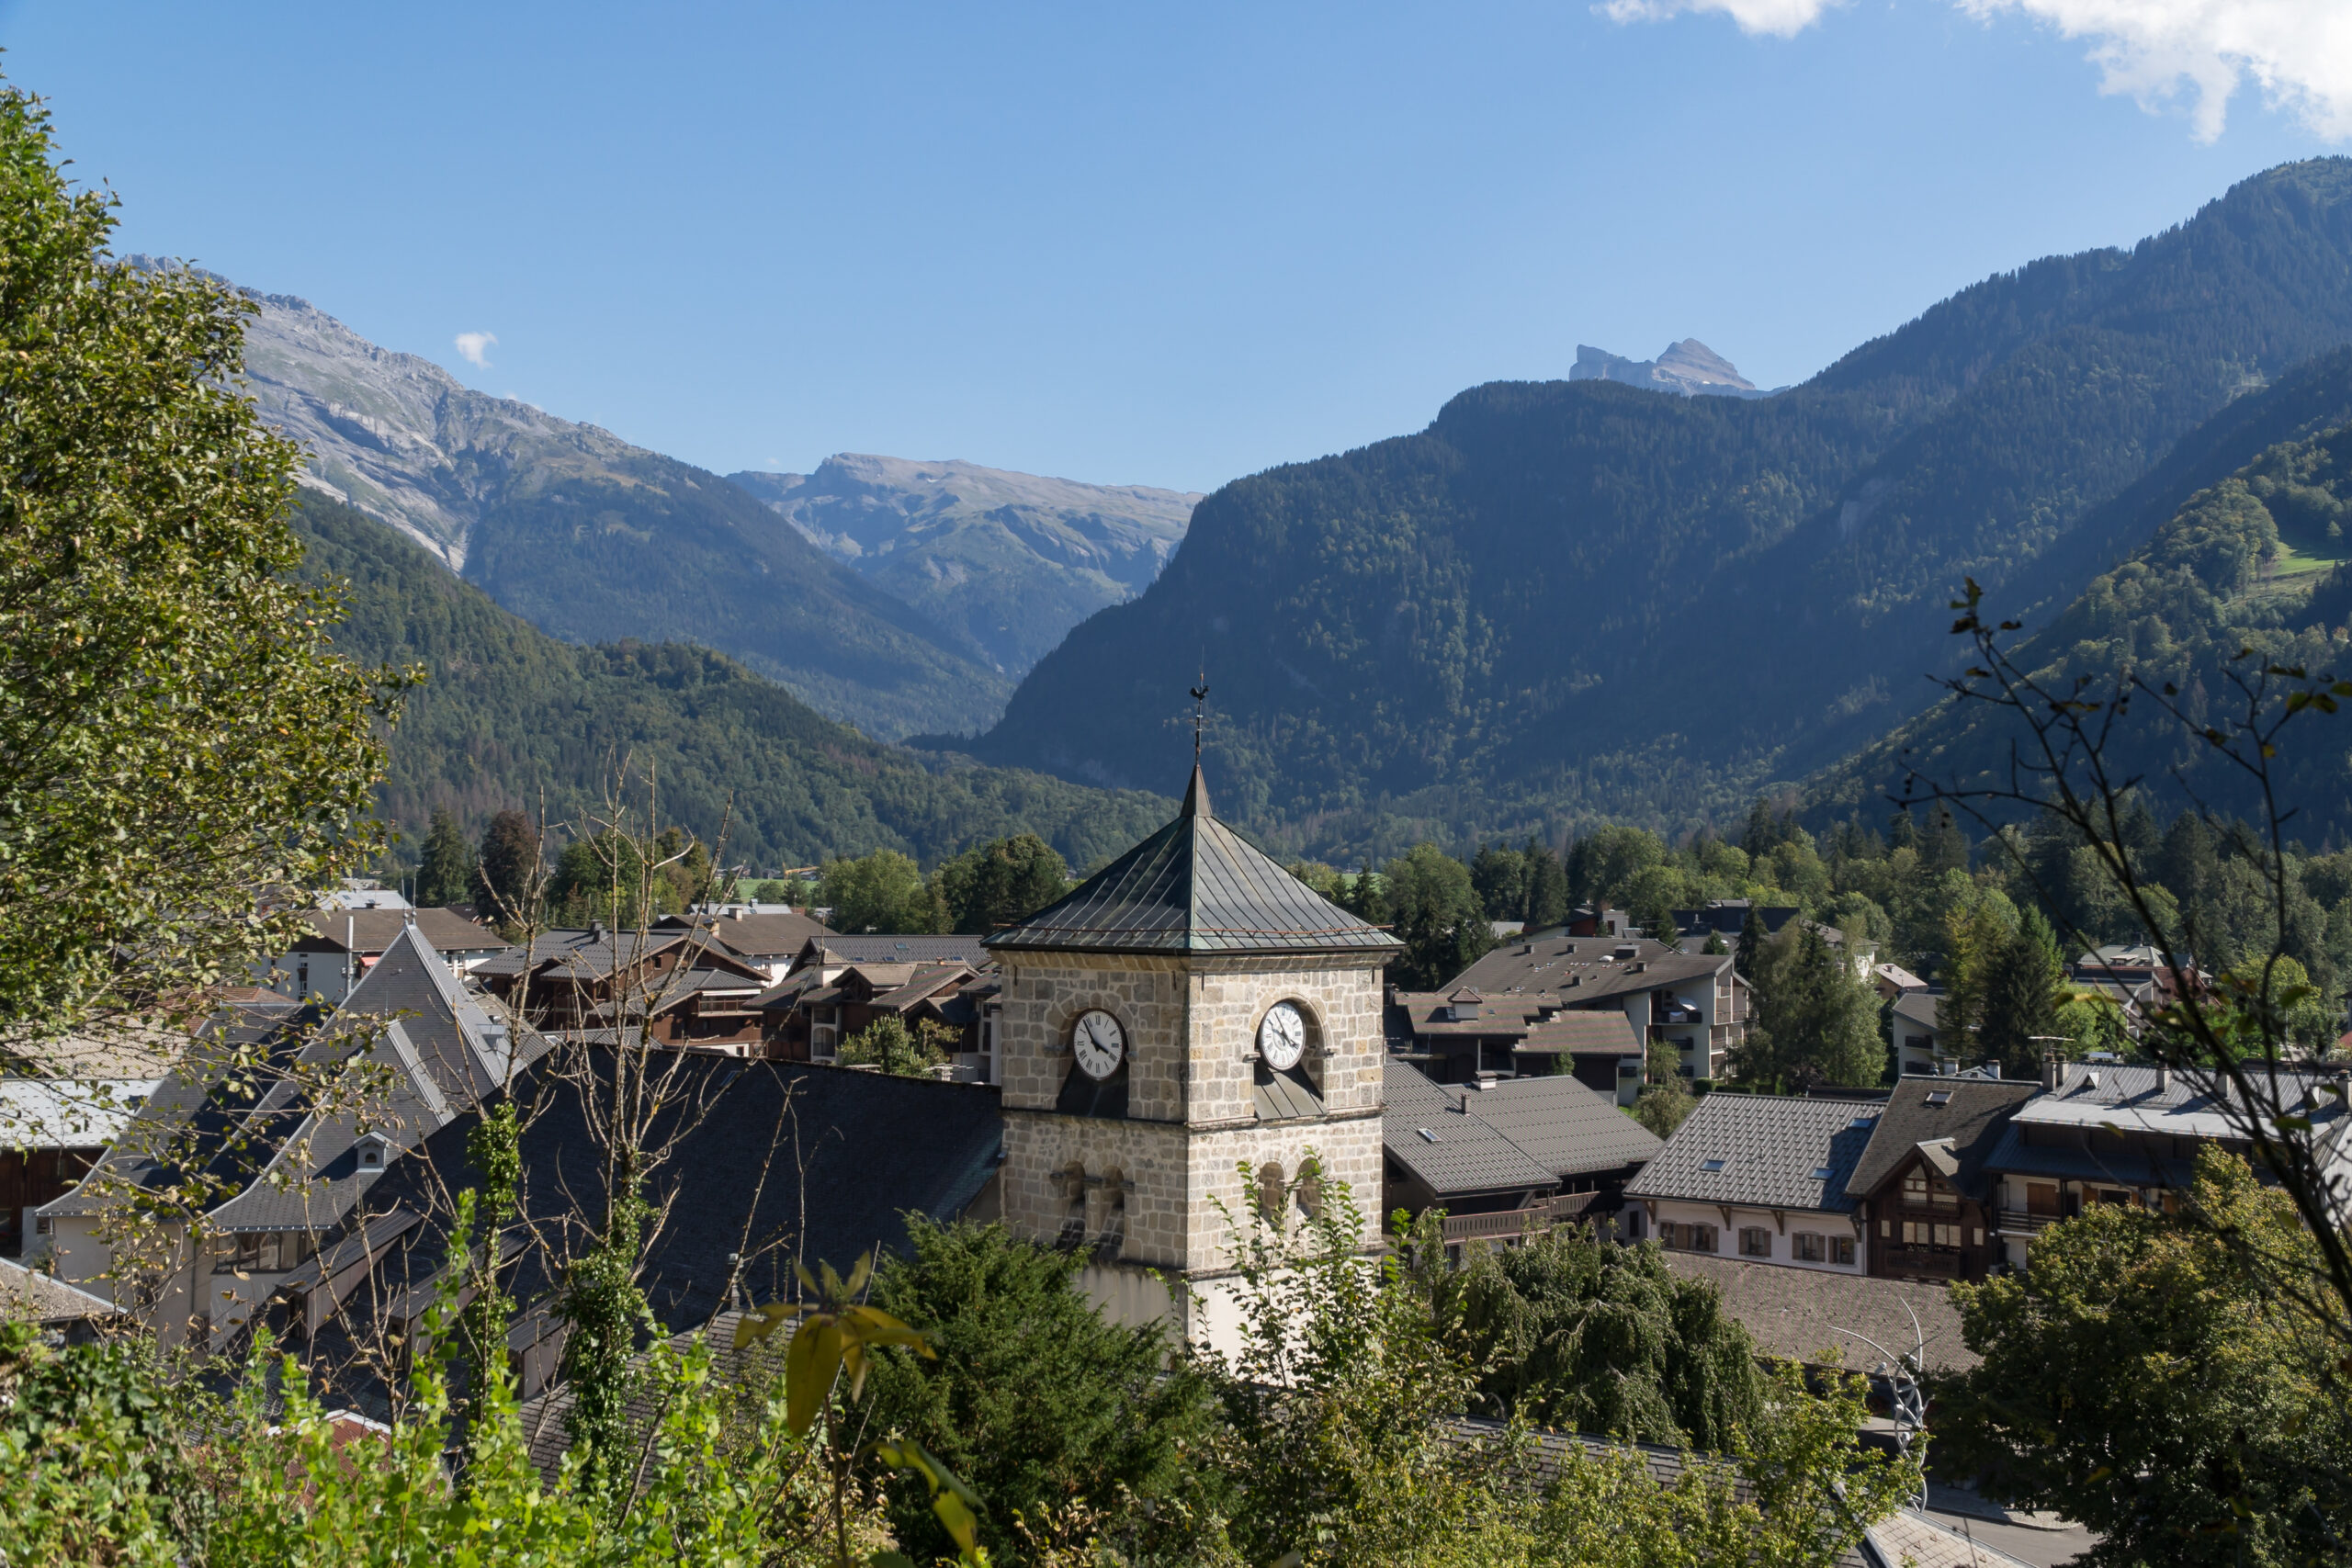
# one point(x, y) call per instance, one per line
point(1200, 706)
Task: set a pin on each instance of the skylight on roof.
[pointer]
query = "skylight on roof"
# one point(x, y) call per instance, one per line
point(1713, 1164)
point(1823, 1172)
point(1861, 1120)
point(1939, 1098)
point(1427, 1136)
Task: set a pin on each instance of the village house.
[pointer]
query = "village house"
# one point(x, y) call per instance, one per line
point(1698, 1005)
point(807, 1018)
point(343, 943)
point(1505, 1158)
point(1922, 1191)
point(769, 939)
point(2103, 1134)
point(681, 985)
point(277, 1170)
point(835, 985)
point(1762, 1178)
point(51, 1131)
point(1911, 1020)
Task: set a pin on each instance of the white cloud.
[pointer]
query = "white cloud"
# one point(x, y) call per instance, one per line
point(1781, 19)
point(2299, 53)
point(474, 347)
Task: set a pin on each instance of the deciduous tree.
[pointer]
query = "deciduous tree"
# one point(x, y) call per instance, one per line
point(181, 750)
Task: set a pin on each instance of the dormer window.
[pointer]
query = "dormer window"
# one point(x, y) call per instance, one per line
point(371, 1152)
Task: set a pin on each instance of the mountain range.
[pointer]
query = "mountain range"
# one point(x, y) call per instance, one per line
point(1568, 601)
point(1010, 560)
point(923, 624)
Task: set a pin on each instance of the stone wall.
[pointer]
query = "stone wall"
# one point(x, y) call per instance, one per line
point(1191, 1027)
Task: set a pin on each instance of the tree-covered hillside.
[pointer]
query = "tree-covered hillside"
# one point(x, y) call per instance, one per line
point(507, 711)
point(2253, 559)
point(1568, 601)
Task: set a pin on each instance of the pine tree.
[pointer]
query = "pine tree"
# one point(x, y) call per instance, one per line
point(1947, 847)
point(1547, 887)
point(446, 875)
point(509, 858)
point(2024, 987)
point(1749, 951)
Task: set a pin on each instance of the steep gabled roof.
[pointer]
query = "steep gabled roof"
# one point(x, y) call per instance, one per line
point(1195, 886)
point(1763, 1150)
point(1967, 1115)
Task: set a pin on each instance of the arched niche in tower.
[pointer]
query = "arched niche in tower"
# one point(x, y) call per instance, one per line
point(1287, 1055)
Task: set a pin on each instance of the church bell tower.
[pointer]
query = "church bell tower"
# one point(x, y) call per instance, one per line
point(1191, 1023)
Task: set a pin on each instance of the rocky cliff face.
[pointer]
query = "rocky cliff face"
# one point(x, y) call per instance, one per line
point(400, 439)
point(1690, 368)
point(1011, 560)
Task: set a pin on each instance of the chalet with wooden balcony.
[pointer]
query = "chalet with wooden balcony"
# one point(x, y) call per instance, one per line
point(1505, 1159)
point(1696, 1004)
point(1923, 1192)
point(2103, 1134)
point(681, 986)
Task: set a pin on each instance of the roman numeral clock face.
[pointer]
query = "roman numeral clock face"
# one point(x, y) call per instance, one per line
point(1099, 1044)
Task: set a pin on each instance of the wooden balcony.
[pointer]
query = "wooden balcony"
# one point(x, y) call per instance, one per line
point(1925, 1262)
point(1511, 1224)
point(2018, 1222)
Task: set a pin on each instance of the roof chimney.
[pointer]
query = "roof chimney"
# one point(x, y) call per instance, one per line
point(1993, 1067)
point(2164, 1077)
point(2049, 1071)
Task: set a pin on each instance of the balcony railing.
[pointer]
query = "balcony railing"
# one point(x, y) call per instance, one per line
point(2018, 1222)
point(1921, 1261)
point(1512, 1224)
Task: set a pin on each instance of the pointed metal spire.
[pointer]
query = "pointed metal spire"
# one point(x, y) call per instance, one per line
point(1196, 794)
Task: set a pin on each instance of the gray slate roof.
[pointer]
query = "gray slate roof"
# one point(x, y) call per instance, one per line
point(1425, 1130)
point(1973, 1114)
point(1195, 886)
point(1568, 1128)
point(1917, 1007)
point(1771, 1145)
point(373, 931)
point(1567, 971)
point(45, 1301)
point(778, 934)
point(835, 949)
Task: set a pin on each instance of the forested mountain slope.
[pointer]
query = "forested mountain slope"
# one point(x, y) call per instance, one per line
point(590, 538)
point(507, 713)
point(1568, 600)
point(1010, 560)
point(2238, 553)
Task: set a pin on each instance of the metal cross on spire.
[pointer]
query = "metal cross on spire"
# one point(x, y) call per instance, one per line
point(1200, 709)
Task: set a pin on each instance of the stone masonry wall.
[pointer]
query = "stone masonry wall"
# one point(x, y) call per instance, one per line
point(1191, 1027)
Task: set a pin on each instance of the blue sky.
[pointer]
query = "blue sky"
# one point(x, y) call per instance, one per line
point(1130, 244)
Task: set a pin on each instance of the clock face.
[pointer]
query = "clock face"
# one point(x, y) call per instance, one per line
point(1100, 1044)
point(1281, 1037)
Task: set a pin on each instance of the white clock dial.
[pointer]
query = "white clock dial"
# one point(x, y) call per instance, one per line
point(1100, 1044)
point(1281, 1037)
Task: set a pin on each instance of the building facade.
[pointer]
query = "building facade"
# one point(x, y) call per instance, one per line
point(1190, 1036)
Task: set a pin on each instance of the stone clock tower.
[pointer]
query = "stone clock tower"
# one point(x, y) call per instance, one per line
point(1191, 1012)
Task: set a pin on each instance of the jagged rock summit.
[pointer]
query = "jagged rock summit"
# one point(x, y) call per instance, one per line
point(1690, 368)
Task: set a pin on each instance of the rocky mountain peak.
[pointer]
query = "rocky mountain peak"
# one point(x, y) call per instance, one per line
point(1689, 368)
